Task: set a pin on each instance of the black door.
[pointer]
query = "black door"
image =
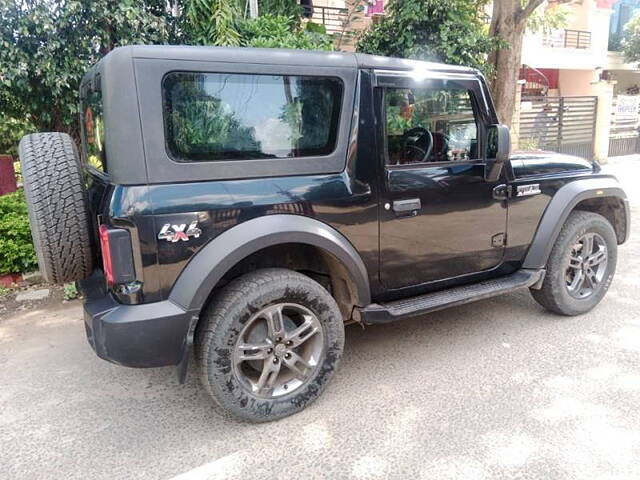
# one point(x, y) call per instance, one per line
point(438, 216)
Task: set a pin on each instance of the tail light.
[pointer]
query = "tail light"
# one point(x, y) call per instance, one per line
point(107, 264)
point(117, 255)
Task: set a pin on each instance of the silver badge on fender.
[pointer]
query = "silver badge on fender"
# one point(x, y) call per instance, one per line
point(526, 190)
point(175, 233)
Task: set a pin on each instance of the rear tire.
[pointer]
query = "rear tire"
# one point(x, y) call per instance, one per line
point(581, 265)
point(57, 205)
point(268, 344)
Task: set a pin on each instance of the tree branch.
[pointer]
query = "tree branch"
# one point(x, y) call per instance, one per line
point(528, 9)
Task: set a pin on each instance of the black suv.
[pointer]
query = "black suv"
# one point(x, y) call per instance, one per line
point(253, 201)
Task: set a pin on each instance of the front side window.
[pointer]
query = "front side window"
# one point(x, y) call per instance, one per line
point(228, 116)
point(93, 130)
point(429, 125)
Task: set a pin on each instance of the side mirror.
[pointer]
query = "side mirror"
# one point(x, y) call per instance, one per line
point(498, 148)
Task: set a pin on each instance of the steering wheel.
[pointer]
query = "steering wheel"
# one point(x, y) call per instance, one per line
point(414, 140)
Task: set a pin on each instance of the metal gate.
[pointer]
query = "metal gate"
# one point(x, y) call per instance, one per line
point(560, 124)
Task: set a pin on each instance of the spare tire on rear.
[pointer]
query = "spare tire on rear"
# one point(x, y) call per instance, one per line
point(57, 204)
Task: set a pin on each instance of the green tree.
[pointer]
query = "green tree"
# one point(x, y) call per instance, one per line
point(269, 31)
point(450, 31)
point(509, 21)
point(631, 40)
point(280, 8)
point(212, 22)
point(46, 47)
point(224, 23)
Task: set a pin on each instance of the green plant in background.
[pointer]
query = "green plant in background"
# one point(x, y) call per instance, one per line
point(70, 291)
point(212, 22)
point(631, 40)
point(615, 42)
point(449, 31)
point(280, 8)
point(11, 131)
point(16, 248)
point(552, 17)
point(271, 31)
point(46, 47)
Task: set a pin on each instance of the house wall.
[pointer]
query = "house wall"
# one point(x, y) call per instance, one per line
point(576, 82)
point(585, 16)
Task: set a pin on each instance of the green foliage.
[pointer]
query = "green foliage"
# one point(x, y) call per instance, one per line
point(70, 291)
point(280, 8)
point(16, 248)
point(631, 40)
point(4, 291)
point(46, 47)
point(220, 22)
point(547, 18)
point(313, 27)
point(615, 42)
point(11, 131)
point(212, 22)
point(270, 31)
point(449, 31)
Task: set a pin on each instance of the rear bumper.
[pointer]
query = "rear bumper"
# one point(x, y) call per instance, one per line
point(146, 335)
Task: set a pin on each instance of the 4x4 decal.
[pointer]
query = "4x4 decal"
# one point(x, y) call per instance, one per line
point(175, 233)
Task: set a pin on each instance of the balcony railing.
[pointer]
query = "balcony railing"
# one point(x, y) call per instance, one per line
point(579, 39)
point(333, 19)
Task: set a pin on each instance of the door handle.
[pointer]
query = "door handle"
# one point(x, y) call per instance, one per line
point(411, 205)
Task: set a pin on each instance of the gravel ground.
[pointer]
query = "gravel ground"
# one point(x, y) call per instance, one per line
point(495, 389)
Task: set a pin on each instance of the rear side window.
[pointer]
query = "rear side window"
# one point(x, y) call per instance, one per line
point(93, 130)
point(223, 116)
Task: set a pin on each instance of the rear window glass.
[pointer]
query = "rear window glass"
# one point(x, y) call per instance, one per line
point(93, 130)
point(222, 116)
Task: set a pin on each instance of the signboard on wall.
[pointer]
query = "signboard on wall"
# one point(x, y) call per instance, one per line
point(627, 107)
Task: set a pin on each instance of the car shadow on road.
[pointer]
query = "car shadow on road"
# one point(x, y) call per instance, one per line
point(375, 352)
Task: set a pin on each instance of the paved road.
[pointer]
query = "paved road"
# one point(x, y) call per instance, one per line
point(496, 389)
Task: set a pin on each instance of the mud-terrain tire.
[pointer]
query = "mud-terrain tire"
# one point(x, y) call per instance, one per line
point(560, 293)
point(243, 308)
point(57, 205)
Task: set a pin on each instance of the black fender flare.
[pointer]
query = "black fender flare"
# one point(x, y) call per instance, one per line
point(559, 208)
point(208, 266)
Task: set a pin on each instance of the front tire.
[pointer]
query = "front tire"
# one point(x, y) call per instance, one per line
point(581, 265)
point(269, 343)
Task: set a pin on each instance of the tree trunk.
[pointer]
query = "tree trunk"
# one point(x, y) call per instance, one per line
point(509, 23)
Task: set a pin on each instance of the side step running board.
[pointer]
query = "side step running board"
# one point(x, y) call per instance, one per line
point(430, 302)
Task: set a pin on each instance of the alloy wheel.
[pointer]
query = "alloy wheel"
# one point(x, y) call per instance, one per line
point(587, 265)
point(278, 350)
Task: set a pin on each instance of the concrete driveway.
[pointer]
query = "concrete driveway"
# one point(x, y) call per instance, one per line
point(495, 389)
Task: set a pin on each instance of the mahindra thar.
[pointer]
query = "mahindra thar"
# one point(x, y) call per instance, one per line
point(243, 205)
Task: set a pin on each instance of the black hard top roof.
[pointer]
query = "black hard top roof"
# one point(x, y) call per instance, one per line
point(282, 57)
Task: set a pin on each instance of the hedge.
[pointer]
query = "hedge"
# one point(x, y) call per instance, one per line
point(16, 247)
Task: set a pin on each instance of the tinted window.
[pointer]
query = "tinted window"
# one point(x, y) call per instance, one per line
point(219, 116)
point(93, 131)
point(430, 125)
